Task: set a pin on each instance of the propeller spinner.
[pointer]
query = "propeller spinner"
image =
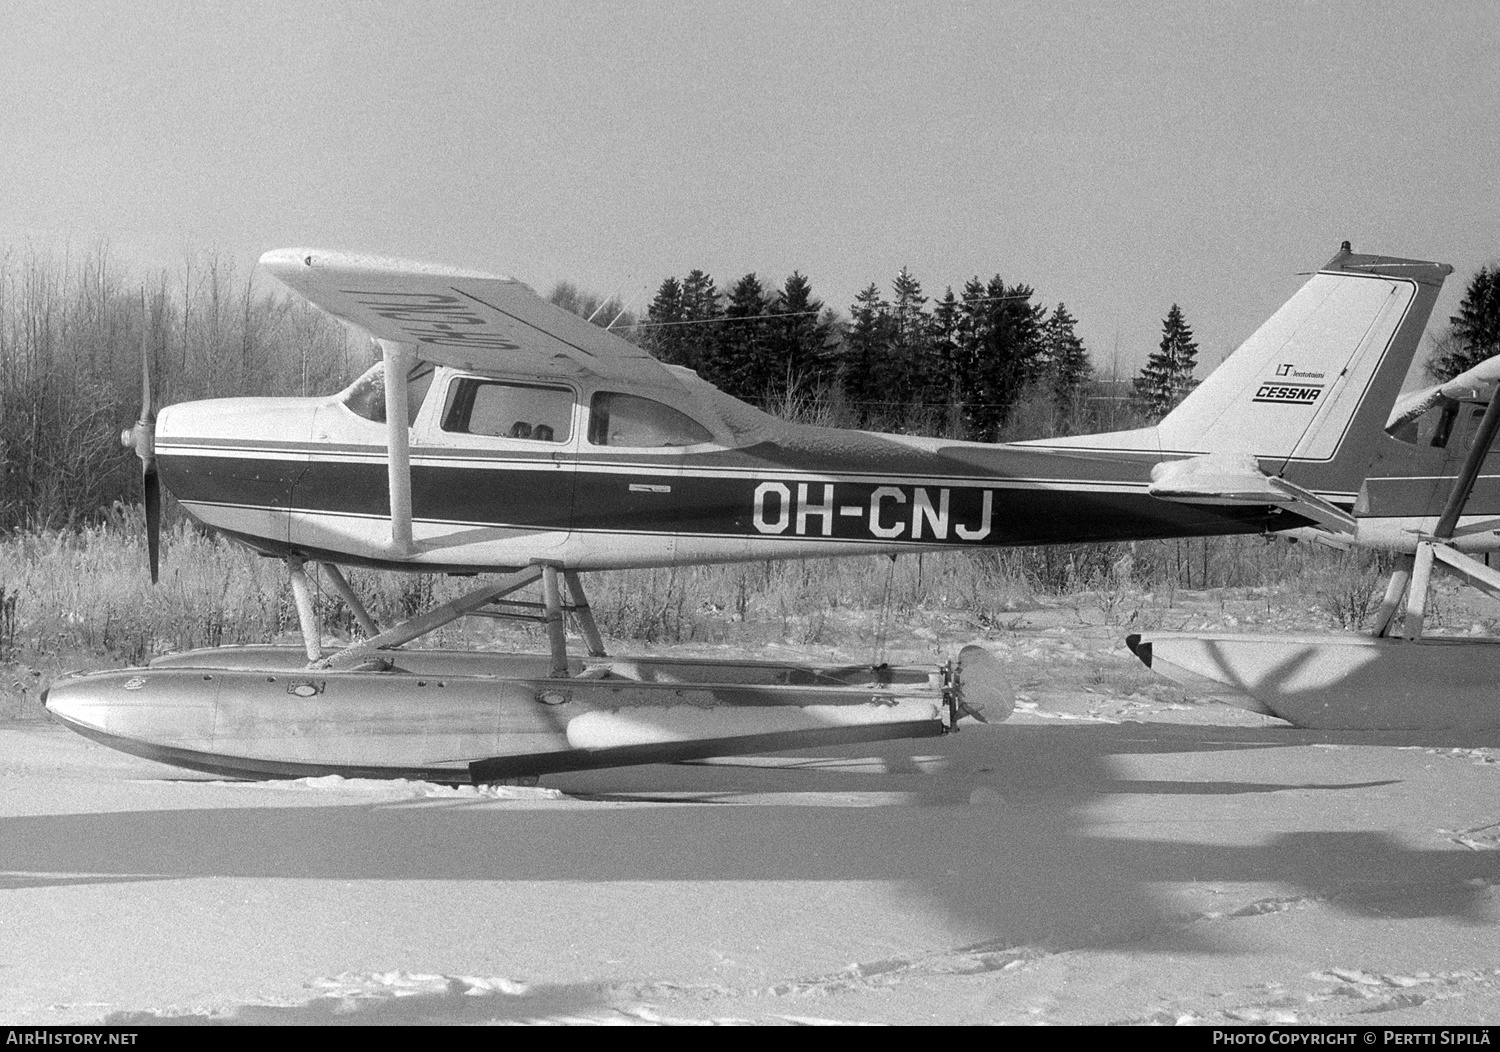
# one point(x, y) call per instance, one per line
point(142, 439)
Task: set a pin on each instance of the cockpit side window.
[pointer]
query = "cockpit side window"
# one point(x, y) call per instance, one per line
point(629, 420)
point(366, 396)
point(498, 409)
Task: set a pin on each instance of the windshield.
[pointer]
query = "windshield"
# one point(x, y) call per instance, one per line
point(366, 396)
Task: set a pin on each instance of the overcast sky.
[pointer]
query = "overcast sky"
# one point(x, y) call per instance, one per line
point(1116, 156)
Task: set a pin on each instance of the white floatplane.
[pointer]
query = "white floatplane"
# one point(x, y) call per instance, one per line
point(502, 435)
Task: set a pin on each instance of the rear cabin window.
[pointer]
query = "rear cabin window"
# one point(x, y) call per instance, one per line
point(503, 410)
point(630, 420)
point(366, 396)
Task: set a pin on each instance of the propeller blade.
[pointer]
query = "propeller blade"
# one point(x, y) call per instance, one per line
point(141, 439)
point(979, 685)
point(965, 709)
point(148, 404)
point(151, 485)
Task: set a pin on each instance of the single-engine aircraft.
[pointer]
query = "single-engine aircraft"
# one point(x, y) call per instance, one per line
point(502, 435)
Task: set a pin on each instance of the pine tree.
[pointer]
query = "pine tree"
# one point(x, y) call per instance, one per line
point(667, 338)
point(865, 349)
point(998, 352)
point(943, 386)
point(909, 367)
point(700, 297)
point(1066, 365)
point(1168, 374)
point(800, 339)
point(1474, 332)
point(702, 304)
point(739, 361)
point(681, 329)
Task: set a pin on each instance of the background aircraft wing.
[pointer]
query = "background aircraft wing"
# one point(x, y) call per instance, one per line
point(1471, 383)
point(468, 319)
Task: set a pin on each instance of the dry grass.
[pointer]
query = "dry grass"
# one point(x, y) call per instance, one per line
point(82, 599)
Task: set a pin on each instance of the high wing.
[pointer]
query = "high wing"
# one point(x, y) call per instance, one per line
point(463, 318)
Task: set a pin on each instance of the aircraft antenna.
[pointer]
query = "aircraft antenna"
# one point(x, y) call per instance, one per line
point(1114, 382)
point(625, 309)
point(606, 301)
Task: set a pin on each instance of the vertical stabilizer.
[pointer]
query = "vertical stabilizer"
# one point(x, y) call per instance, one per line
point(1315, 382)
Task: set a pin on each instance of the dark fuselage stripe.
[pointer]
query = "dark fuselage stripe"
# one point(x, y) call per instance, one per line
point(983, 512)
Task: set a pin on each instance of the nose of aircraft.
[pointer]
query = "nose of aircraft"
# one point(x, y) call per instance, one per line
point(232, 419)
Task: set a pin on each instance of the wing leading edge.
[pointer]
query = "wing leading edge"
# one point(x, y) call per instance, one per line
point(463, 318)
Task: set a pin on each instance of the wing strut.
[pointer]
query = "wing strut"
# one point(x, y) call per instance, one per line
point(399, 358)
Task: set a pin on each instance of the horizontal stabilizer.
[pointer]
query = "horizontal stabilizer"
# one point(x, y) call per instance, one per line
point(1215, 478)
point(1236, 479)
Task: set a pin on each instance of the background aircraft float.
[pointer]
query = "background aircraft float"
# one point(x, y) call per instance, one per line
point(501, 434)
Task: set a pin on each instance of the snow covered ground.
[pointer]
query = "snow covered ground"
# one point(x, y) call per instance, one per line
point(1115, 853)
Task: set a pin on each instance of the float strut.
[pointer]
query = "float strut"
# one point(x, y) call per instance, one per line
point(1400, 578)
point(1416, 598)
point(584, 616)
point(557, 634)
point(307, 617)
point(341, 586)
point(432, 620)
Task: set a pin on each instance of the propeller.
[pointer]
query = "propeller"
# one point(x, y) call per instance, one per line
point(142, 439)
point(979, 684)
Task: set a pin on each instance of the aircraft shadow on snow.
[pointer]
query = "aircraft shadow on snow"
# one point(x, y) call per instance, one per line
point(1027, 865)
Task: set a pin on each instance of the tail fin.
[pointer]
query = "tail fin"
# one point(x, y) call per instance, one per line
point(1310, 392)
